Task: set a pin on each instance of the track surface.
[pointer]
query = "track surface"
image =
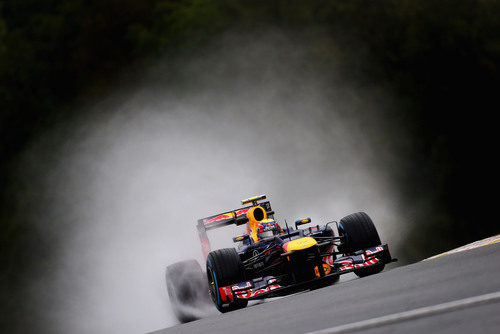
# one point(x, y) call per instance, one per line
point(444, 279)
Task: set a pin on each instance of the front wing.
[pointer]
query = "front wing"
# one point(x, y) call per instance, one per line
point(269, 286)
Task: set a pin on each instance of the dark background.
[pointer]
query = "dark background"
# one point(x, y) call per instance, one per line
point(440, 57)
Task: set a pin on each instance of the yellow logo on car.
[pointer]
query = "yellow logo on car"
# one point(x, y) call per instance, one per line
point(326, 268)
point(299, 244)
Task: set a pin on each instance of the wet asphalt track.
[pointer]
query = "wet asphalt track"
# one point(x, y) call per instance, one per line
point(397, 289)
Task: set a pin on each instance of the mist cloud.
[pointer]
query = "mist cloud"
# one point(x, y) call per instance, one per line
point(125, 182)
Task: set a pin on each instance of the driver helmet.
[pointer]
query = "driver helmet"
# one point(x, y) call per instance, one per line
point(267, 229)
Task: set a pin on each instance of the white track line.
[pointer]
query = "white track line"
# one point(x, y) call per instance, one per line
point(413, 314)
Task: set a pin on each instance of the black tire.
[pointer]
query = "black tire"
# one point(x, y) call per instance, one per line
point(187, 289)
point(224, 267)
point(359, 233)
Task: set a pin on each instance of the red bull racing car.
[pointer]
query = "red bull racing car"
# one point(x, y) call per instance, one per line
point(270, 260)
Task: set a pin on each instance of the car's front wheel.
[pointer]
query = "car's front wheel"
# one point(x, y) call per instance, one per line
point(224, 268)
point(359, 233)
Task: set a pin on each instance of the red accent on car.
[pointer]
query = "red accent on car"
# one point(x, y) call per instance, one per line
point(285, 247)
point(364, 264)
point(226, 294)
point(227, 215)
point(329, 259)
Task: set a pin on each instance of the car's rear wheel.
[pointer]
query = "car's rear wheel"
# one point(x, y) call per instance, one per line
point(359, 233)
point(224, 268)
point(187, 289)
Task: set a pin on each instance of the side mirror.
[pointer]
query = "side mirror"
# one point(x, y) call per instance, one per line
point(241, 238)
point(302, 222)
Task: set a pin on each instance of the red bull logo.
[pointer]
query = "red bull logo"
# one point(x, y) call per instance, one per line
point(228, 215)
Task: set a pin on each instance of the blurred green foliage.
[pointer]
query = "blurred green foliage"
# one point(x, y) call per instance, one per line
point(52, 50)
point(442, 56)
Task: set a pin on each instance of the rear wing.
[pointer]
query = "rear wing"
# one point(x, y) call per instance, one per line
point(236, 217)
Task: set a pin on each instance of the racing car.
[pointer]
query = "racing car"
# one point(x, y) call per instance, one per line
point(271, 260)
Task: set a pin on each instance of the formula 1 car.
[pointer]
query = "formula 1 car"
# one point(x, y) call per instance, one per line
point(270, 260)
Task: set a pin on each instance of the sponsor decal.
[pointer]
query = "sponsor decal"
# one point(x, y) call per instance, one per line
point(299, 244)
point(326, 268)
point(242, 286)
point(226, 294)
point(253, 293)
point(377, 249)
point(258, 265)
point(227, 215)
point(329, 259)
point(354, 266)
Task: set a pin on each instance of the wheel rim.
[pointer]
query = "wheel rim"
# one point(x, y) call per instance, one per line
point(213, 287)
